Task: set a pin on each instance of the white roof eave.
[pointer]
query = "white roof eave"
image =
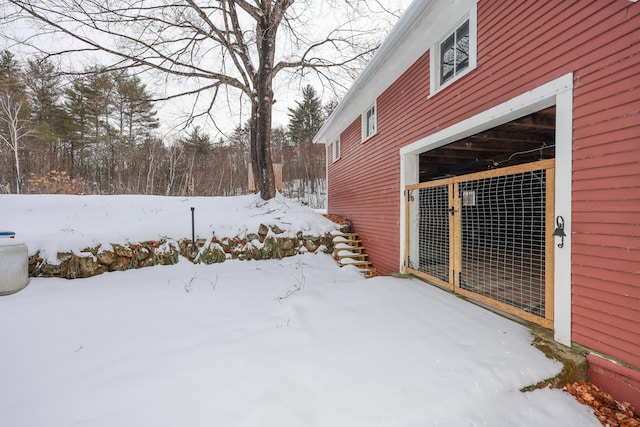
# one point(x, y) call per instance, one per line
point(348, 110)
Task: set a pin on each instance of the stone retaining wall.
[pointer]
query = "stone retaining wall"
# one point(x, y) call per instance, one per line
point(265, 244)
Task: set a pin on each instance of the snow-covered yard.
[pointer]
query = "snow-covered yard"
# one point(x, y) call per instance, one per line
point(52, 223)
point(291, 342)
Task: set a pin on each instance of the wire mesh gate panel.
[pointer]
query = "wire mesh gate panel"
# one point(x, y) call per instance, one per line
point(503, 239)
point(431, 225)
point(488, 236)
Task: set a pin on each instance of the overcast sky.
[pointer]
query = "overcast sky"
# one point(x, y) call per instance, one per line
point(288, 91)
point(234, 111)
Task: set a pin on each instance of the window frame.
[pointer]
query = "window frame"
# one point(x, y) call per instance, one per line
point(457, 66)
point(471, 19)
point(336, 150)
point(365, 119)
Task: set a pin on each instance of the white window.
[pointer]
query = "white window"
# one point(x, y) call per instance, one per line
point(336, 149)
point(369, 123)
point(455, 54)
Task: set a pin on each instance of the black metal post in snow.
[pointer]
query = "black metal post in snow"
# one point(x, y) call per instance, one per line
point(193, 229)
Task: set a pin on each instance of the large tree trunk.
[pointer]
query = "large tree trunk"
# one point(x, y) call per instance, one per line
point(265, 180)
point(261, 107)
point(253, 145)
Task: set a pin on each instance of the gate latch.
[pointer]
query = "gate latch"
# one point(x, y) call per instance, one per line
point(559, 231)
point(410, 196)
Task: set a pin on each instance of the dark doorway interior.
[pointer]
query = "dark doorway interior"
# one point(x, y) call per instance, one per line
point(524, 140)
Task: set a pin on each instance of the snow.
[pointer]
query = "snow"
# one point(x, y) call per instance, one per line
point(346, 252)
point(291, 342)
point(352, 261)
point(59, 223)
point(341, 245)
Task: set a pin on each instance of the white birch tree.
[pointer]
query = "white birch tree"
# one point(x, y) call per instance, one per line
point(13, 129)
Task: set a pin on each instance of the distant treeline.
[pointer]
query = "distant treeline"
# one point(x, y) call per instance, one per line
point(96, 133)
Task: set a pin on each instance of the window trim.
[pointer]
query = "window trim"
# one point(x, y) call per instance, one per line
point(453, 41)
point(435, 55)
point(336, 149)
point(365, 123)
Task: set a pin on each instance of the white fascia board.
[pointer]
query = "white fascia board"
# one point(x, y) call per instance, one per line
point(422, 25)
point(392, 58)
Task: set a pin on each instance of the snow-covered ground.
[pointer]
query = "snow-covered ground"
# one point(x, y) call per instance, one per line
point(53, 223)
point(292, 342)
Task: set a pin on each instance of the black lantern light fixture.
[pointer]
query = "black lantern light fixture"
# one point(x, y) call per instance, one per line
point(559, 231)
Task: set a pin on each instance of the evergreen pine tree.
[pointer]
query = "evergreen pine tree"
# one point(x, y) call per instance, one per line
point(136, 116)
point(306, 119)
point(50, 120)
point(306, 167)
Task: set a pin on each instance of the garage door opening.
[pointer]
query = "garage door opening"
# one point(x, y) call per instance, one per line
point(524, 140)
point(480, 222)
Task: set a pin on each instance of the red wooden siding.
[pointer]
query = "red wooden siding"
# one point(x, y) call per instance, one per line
point(364, 184)
point(522, 45)
point(606, 189)
point(616, 379)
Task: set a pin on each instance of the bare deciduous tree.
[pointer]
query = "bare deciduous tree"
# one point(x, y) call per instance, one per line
point(223, 48)
point(13, 129)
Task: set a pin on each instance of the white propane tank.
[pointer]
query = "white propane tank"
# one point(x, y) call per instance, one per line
point(14, 266)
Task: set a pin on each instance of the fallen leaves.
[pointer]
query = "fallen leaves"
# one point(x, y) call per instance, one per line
point(372, 272)
point(337, 219)
point(609, 411)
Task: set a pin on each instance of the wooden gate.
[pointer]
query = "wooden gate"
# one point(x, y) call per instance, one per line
point(488, 236)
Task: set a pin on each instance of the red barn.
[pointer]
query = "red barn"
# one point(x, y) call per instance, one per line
point(493, 148)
